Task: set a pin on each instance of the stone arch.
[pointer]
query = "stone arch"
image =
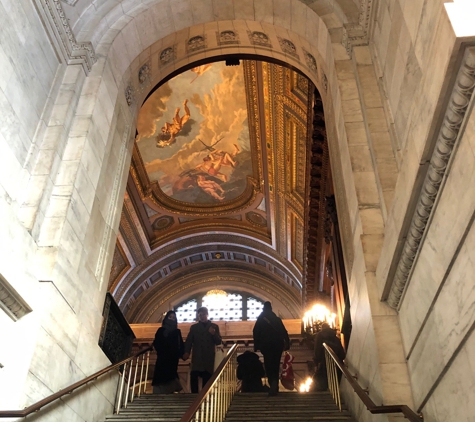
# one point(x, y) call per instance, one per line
point(103, 108)
point(159, 270)
point(118, 84)
point(149, 308)
point(96, 19)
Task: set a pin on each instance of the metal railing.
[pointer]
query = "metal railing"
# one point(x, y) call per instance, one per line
point(123, 396)
point(214, 399)
point(333, 363)
point(129, 376)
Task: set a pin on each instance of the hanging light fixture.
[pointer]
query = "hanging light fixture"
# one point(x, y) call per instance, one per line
point(215, 298)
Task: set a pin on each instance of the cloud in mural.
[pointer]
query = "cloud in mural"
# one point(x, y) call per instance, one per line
point(152, 111)
point(222, 120)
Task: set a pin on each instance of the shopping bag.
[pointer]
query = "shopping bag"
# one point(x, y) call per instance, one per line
point(287, 377)
point(219, 355)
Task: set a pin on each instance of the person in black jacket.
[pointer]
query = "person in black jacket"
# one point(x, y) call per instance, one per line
point(170, 347)
point(326, 335)
point(250, 370)
point(271, 338)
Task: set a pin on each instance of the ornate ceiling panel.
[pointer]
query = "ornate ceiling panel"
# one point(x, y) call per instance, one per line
point(218, 181)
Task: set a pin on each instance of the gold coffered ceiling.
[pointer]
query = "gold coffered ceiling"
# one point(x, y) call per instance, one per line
point(216, 191)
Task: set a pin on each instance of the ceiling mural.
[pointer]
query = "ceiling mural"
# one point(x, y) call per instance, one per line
point(193, 135)
point(218, 184)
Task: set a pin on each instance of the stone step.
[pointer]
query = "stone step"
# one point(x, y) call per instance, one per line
point(245, 407)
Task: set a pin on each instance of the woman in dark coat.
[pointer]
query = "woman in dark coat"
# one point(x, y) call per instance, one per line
point(250, 370)
point(169, 346)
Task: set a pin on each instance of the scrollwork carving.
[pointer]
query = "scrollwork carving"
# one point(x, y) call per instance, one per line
point(447, 137)
point(74, 52)
point(11, 302)
point(227, 37)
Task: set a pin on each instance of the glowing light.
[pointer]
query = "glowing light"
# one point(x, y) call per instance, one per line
point(315, 317)
point(305, 386)
point(215, 298)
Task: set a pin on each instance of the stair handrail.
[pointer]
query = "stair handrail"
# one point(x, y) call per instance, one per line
point(68, 390)
point(215, 397)
point(333, 385)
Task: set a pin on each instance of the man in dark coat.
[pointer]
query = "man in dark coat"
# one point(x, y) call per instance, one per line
point(250, 371)
point(271, 338)
point(326, 335)
point(203, 339)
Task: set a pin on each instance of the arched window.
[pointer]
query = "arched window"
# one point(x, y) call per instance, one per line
point(235, 307)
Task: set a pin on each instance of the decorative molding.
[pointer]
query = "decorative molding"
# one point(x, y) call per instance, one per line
point(57, 26)
point(288, 47)
point(11, 302)
point(129, 95)
point(163, 223)
point(366, 7)
point(168, 55)
point(256, 219)
point(446, 139)
point(144, 75)
point(311, 62)
point(227, 37)
point(353, 35)
point(259, 38)
point(70, 2)
point(196, 43)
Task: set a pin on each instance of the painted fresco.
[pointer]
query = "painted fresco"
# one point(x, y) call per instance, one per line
point(193, 135)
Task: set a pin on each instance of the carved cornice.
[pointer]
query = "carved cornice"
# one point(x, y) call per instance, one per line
point(446, 139)
point(57, 26)
point(355, 34)
point(11, 302)
point(316, 187)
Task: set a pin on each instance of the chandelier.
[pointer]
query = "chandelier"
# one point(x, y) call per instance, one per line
point(315, 317)
point(215, 298)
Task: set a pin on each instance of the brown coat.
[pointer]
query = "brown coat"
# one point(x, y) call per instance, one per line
point(203, 344)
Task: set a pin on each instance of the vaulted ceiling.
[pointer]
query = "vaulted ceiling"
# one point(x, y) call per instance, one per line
point(218, 190)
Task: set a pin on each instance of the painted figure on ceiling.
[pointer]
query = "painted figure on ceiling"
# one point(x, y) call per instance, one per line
point(171, 130)
point(213, 162)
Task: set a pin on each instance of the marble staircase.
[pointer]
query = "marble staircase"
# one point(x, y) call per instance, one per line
point(245, 407)
point(286, 407)
point(155, 408)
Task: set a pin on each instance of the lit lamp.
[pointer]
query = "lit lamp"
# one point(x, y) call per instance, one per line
point(315, 317)
point(215, 298)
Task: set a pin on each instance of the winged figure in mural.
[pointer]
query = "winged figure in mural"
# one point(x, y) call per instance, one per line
point(213, 162)
point(171, 130)
point(207, 175)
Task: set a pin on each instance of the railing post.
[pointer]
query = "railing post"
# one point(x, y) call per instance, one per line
point(121, 389)
point(146, 372)
point(128, 384)
point(141, 374)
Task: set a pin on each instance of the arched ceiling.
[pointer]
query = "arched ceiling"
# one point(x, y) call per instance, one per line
point(216, 189)
point(86, 16)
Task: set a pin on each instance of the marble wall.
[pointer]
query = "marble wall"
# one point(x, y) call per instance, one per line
point(417, 56)
point(66, 140)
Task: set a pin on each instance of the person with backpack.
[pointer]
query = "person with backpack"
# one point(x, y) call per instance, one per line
point(271, 338)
